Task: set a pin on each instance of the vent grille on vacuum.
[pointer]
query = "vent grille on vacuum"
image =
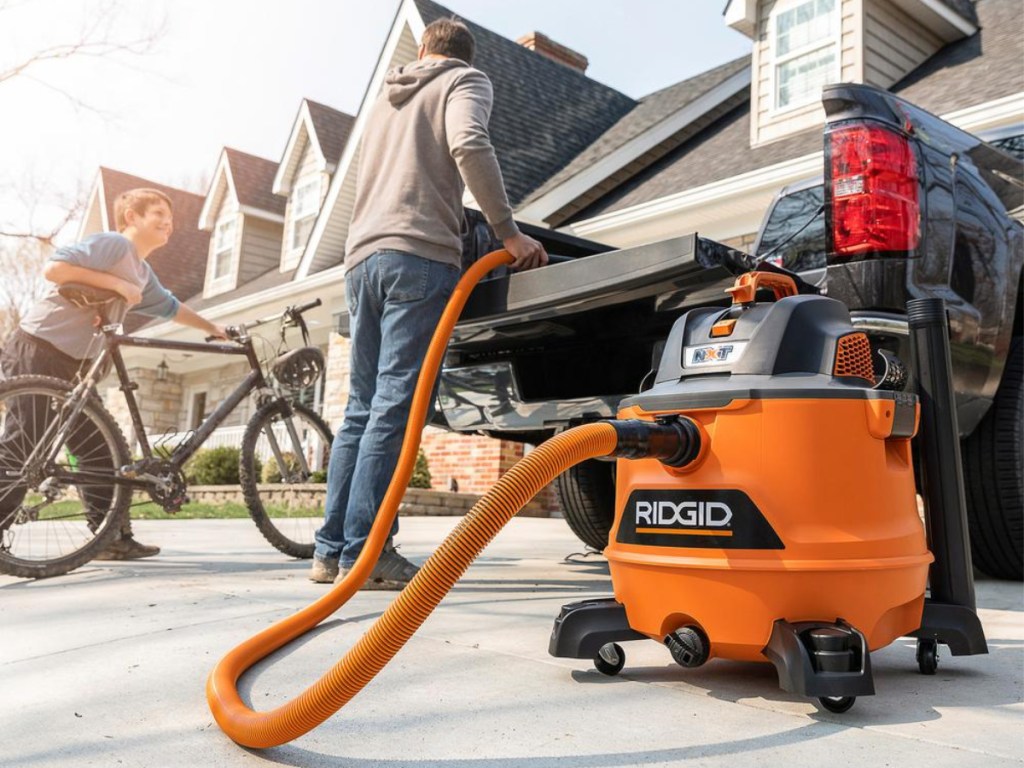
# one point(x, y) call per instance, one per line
point(853, 357)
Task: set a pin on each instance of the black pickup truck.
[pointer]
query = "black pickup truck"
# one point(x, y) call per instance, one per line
point(909, 206)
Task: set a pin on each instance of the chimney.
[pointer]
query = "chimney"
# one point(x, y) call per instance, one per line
point(545, 46)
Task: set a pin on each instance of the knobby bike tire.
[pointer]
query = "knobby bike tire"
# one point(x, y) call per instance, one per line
point(251, 481)
point(115, 517)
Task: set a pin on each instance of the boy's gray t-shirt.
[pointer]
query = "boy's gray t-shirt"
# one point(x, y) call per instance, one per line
point(69, 328)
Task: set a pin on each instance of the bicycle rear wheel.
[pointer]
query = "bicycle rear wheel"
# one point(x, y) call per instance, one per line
point(59, 504)
point(291, 442)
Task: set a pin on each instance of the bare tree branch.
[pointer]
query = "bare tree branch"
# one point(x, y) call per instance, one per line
point(21, 263)
point(47, 236)
point(100, 36)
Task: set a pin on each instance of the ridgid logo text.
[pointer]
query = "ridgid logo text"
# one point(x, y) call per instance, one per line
point(686, 514)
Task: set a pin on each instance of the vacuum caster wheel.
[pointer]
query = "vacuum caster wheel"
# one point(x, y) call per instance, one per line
point(927, 656)
point(837, 704)
point(610, 659)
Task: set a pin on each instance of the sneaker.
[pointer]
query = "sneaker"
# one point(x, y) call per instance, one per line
point(127, 548)
point(392, 571)
point(324, 569)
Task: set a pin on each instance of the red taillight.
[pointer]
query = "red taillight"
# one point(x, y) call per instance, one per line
point(874, 191)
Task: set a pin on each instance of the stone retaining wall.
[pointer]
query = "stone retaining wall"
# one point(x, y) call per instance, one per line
point(418, 502)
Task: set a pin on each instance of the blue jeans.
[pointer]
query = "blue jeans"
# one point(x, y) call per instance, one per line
point(394, 300)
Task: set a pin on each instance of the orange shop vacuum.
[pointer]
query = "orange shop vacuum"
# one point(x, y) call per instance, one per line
point(766, 510)
point(786, 526)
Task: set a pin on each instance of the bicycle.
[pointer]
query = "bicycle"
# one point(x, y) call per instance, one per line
point(66, 474)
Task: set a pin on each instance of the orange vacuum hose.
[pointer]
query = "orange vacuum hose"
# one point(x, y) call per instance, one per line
point(410, 609)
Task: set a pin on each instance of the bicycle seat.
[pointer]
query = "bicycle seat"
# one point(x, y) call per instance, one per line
point(83, 296)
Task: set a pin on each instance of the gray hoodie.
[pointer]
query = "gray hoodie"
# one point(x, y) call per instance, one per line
point(425, 140)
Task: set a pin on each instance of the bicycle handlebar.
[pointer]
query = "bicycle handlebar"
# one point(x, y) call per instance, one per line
point(238, 332)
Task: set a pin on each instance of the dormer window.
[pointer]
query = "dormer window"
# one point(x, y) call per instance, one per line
point(223, 247)
point(305, 204)
point(806, 51)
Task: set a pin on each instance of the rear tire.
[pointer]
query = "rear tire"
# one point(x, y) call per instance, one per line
point(992, 460)
point(50, 536)
point(270, 504)
point(587, 493)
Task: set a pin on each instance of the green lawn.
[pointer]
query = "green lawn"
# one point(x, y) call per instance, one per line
point(151, 511)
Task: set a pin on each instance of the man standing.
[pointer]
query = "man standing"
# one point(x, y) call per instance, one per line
point(426, 139)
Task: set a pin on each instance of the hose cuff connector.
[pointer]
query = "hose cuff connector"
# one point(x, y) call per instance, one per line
point(674, 442)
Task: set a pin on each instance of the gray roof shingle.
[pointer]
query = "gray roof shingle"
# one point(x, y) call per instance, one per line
point(254, 180)
point(964, 8)
point(650, 111)
point(985, 66)
point(332, 128)
point(544, 113)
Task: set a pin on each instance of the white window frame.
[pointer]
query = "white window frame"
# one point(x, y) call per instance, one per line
point(218, 283)
point(833, 40)
point(298, 214)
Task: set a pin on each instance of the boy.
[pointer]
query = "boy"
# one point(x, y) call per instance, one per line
point(55, 338)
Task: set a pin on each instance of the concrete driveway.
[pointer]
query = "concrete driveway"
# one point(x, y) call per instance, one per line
point(106, 667)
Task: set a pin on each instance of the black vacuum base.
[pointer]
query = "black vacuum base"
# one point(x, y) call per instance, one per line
point(822, 659)
point(581, 629)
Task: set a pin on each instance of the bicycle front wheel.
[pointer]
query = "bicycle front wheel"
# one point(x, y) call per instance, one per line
point(59, 502)
point(284, 451)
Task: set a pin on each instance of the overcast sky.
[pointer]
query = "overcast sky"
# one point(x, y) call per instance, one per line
point(232, 72)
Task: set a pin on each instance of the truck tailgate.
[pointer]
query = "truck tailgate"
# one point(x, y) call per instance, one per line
point(669, 270)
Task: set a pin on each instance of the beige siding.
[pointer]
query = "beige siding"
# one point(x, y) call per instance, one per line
point(761, 97)
point(309, 162)
point(308, 166)
point(261, 248)
point(331, 248)
point(768, 124)
point(852, 43)
point(227, 206)
point(894, 44)
point(406, 50)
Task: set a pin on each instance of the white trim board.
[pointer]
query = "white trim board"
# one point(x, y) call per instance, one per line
point(282, 181)
point(222, 173)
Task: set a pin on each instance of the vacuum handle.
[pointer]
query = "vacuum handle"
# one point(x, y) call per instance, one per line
point(951, 576)
point(745, 289)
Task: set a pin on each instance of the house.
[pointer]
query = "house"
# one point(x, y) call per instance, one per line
point(706, 154)
point(961, 60)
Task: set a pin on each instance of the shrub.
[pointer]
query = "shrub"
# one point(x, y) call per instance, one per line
point(272, 474)
point(215, 466)
point(421, 472)
point(318, 476)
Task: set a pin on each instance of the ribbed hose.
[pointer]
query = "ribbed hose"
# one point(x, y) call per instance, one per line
point(437, 576)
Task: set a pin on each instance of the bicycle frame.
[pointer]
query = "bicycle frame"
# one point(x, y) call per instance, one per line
point(113, 341)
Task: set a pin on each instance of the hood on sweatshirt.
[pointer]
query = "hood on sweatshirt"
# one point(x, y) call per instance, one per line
point(401, 83)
